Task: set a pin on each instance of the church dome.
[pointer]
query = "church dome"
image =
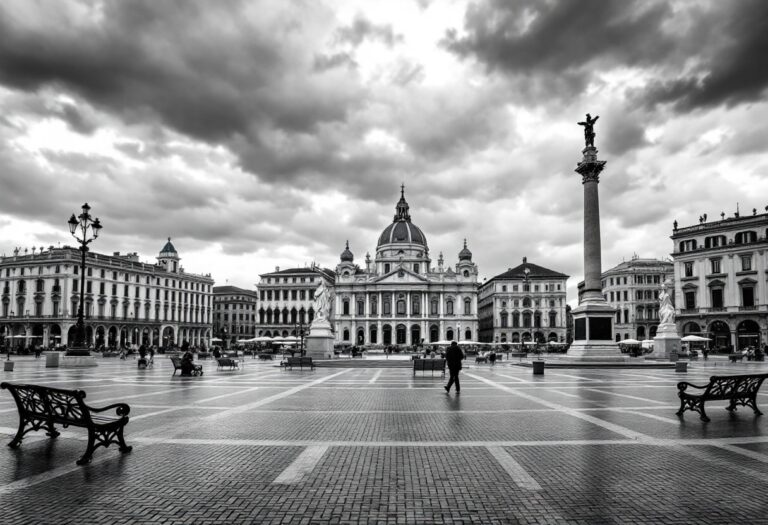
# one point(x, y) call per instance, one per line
point(402, 230)
point(346, 255)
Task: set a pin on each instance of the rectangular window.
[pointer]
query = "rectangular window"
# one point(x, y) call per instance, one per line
point(514, 287)
point(88, 287)
point(715, 265)
point(748, 296)
point(746, 263)
point(717, 298)
point(689, 269)
point(293, 294)
point(612, 299)
point(690, 300)
point(626, 295)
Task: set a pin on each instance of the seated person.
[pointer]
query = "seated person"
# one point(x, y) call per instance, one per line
point(187, 364)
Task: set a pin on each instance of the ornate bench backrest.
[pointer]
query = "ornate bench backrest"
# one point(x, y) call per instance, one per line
point(176, 362)
point(45, 402)
point(726, 387)
point(29, 398)
point(68, 405)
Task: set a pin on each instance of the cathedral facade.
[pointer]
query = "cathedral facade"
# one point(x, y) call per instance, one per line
point(399, 297)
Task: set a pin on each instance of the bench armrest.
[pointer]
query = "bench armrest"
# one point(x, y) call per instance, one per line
point(682, 386)
point(122, 409)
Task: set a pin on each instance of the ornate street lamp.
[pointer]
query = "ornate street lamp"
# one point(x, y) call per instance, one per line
point(78, 227)
point(301, 331)
point(526, 271)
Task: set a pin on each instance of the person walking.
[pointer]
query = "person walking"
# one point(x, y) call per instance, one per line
point(453, 357)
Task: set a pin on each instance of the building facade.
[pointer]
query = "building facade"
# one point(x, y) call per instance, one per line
point(286, 298)
point(234, 313)
point(126, 301)
point(633, 287)
point(525, 303)
point(398, 297)
point(720, 280)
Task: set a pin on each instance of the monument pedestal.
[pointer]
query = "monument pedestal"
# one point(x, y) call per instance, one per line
point(666, 344)
point(319, 342)
point(593, 334)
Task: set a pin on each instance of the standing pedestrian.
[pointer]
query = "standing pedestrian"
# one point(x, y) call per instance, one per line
point(453, 357)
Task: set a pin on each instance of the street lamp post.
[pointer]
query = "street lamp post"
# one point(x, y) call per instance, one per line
point(78, 227)
point(301, 332)
point(526, 271)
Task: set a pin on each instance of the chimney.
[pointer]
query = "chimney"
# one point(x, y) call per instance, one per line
point(525, 260)
point(277, 268)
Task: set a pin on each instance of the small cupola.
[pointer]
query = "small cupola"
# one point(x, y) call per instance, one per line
point(465, 254)
point(346, 255)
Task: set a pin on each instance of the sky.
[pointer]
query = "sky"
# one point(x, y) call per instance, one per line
point(265, 134)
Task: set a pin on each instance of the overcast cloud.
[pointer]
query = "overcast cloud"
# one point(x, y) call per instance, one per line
point(259, 134)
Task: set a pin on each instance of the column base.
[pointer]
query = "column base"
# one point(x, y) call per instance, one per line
point(77, 361)
point(602, 351)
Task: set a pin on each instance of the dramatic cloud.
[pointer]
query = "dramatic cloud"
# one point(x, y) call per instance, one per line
point(262, 134)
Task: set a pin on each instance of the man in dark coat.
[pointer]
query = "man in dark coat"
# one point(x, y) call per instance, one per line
point(453, 357)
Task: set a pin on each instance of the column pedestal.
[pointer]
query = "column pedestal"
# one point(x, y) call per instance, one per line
point(593, 334)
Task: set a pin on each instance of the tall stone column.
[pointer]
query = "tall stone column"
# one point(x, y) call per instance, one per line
point(593, 318)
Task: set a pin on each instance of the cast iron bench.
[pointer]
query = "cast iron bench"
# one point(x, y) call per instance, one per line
point(231, 362)
point(301, 362)
point(197, 370)
point(43, 407)
point(740, 390)
point(429, 364)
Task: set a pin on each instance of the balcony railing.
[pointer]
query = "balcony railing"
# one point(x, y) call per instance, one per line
point(747, 308)
point(688, 311)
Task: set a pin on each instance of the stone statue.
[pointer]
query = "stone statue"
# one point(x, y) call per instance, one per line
point(322, 304)
point(589, 130)
point(666, 309)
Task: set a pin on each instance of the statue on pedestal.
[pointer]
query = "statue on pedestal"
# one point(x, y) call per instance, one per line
point(666, 309)
point(322, 304)
point(589, 130)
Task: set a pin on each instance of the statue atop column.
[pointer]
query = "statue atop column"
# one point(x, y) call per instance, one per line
point(589, 130)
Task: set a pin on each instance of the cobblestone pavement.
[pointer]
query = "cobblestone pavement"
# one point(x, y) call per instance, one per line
point(346, 445)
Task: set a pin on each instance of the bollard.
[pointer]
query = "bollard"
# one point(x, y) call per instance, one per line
point(681, 366)
point(538, 368)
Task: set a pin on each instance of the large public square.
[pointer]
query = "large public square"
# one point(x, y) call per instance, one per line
point(353, 444)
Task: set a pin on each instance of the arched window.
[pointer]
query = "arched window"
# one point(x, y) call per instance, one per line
point(346, 334)
point(467, 306)
point(449, 334)
point(374, 305)
point(449, 307)
point(401, 305)
point(387, 308)
point(345, 308)
point(468, 335)
point(433, 307)
point(526, 302)
point(374, 335)
point(526, 319)
point(537, 319)
point(360, 307)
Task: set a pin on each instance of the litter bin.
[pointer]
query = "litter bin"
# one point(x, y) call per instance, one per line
point(52, 359)
point(538, 368)
point(681, 366)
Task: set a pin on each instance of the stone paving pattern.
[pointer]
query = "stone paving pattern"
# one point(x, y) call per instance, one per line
point(366, 445)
